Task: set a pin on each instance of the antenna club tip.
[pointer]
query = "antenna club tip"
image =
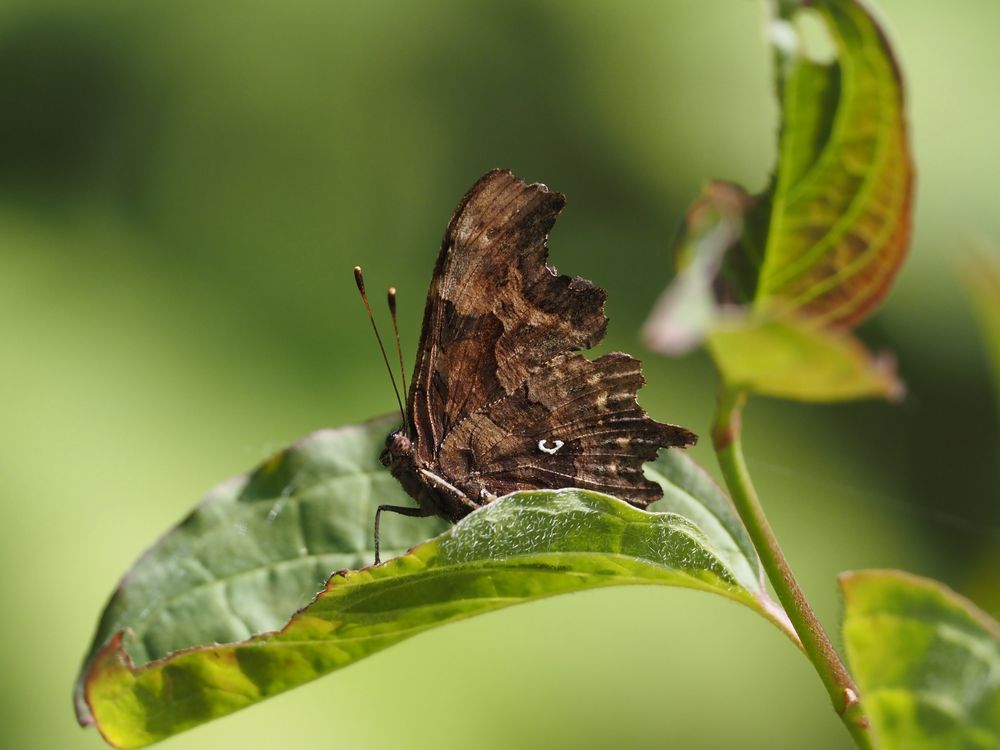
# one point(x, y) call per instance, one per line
point(359, 279)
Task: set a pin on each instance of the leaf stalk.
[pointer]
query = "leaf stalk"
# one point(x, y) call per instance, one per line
point(726, 435)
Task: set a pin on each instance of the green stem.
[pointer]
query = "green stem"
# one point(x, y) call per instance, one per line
point(816, 643)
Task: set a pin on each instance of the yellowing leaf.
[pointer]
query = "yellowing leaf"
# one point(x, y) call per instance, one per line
point(795, 359)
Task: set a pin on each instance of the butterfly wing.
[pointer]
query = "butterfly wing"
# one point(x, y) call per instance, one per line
point(573, 422)
point(495, 311)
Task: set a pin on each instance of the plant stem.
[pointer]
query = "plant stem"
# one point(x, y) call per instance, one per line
point(816, 643)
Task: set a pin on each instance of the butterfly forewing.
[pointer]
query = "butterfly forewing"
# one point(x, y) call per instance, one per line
point(494, 309)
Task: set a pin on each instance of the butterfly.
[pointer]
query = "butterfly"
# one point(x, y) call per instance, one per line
point(500, 400)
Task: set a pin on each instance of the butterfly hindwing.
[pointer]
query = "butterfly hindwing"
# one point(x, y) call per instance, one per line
point(573, 422)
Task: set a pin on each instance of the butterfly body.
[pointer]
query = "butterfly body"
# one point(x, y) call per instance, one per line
point(435, 495)
point(500, 399)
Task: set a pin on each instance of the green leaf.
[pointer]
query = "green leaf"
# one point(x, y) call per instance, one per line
point(795, 359)
point(259, 546)
point(689, 491)
point(526, 546)
point(927, 662)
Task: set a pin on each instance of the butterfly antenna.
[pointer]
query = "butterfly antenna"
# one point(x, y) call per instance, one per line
point(391, 295)
point(360, 281)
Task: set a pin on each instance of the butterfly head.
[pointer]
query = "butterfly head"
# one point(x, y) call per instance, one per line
point(398, 447)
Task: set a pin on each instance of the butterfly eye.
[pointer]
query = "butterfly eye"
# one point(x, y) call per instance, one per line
point(397, 444)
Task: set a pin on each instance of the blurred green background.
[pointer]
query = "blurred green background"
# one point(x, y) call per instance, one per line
point(184, 188)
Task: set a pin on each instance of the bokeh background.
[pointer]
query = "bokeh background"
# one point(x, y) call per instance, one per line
point(184, 188)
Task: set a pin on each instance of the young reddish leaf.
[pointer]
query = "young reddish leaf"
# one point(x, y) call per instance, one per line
point(818, 249)
point(926, 660)
point(842, 194)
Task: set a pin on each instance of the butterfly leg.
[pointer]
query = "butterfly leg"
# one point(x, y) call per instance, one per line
point(403, 510)
point(456, 503)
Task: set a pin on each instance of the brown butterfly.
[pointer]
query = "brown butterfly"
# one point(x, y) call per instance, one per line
point(499, 399)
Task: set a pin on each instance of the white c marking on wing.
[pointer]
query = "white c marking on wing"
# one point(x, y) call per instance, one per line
point(556, 445)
